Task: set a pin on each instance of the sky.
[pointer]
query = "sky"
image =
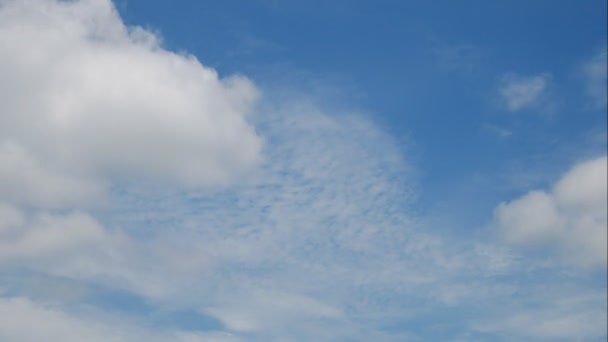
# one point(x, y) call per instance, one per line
point(281, 170)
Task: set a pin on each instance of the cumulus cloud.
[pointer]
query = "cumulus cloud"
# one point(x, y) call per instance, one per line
point(85, 97)
point(317, 242)
point(572, 216)
point(309, 187)
point(596, 76)
point(519, 92)
point(26, 180)
point(287, 253)
point(44, 235)
point(86, 103)
point(309, 246)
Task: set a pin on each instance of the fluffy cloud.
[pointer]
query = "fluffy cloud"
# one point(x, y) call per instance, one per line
point(85, 97)
point(44, 235)
point(314, 243)
point(309, 246)
point(303, 193)
point(572, 216)
point(28, 181)
point(519, 92)
point(287, 253)
point(87, 103)
point(317, 242)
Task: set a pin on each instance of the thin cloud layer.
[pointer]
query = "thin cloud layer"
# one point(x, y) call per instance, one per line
point(86, 98)
point(291, 244)
point(596, 74)
point(313, 244)
point(27, 321)
point(567, 318)
point(572, 217)
point(519, 92)
point(136, 203)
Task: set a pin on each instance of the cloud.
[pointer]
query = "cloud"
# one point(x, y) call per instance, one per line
point(27, 321)
point(319, 240)
point(311, 186)
point(572, 216)
point(259, 312)
point(519, 92)
point(28, 181)
point(284, 253)
point(86, 98)
point(315, 239)
point(462, 57)
point(574, 317)
point(20, 313)
point(307, 245)
point(596, 76)
point(314, 243)
point(498, 131)
point(44, 235)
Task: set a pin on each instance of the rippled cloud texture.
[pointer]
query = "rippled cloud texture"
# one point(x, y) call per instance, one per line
point(145, 197)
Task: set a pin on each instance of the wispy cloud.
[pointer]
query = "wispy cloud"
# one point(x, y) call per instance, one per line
point(519, 92)
point(596, 76)
point(498, 131)
point(310, 235)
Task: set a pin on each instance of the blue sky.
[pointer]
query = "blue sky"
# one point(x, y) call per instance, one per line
point(425, 72)
point(303, 170)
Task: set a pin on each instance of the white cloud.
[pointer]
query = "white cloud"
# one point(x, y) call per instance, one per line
point(87, 102)
point(596, 74)
point(583, 188)
point(519, 92)
point(572, 216)
point(578, 317)
point(26, 321)
point(498, 131)
point(44, 235)
point(259, 311)
point(318, 240)
point(85, 95)
point(27, 181)
point(309, 229)
point(311, 185)
point(310, 245)
point(531, 218)
point(10, 217)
